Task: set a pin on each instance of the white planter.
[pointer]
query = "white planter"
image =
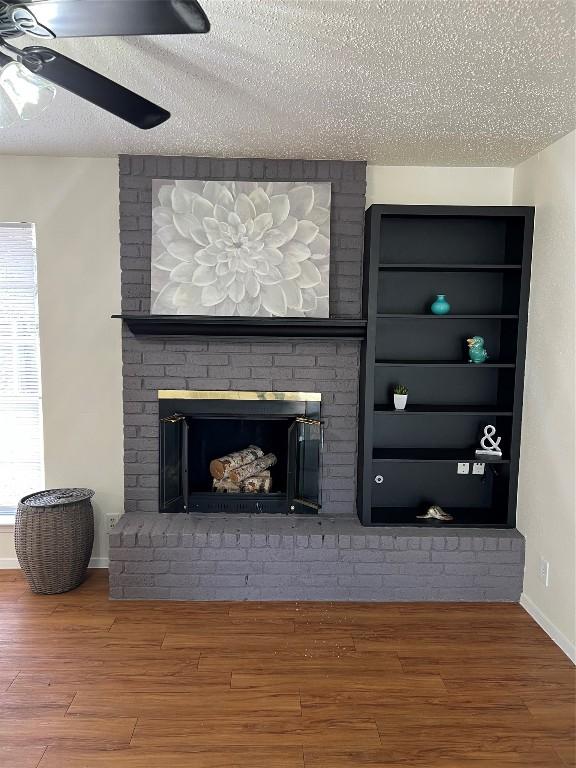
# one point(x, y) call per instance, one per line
point(400, 402)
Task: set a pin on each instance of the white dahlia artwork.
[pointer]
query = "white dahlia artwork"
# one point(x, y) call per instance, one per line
point(240, 248)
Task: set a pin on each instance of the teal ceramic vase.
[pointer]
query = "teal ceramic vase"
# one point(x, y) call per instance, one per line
point(440, 306)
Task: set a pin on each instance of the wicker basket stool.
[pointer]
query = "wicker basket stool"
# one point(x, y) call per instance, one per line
point(54, 534)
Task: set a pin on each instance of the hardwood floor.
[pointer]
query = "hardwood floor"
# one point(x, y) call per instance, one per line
point(89, 683)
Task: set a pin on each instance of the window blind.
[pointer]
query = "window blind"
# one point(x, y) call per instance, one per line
point(21, 448)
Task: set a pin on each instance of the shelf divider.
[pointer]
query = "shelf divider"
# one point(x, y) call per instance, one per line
point(443, 455)
point(441, 364)
point(443, 410)
point(430, 316)
point(433, 267)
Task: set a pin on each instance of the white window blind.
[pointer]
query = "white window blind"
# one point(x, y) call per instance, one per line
point(21, 448)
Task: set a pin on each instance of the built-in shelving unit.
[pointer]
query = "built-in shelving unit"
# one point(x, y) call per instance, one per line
point(479, 257)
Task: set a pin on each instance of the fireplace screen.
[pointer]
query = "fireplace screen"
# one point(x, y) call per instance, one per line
point(224, 454)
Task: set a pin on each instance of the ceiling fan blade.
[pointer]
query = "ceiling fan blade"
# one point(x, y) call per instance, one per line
point(95, 88)
point(100, 18)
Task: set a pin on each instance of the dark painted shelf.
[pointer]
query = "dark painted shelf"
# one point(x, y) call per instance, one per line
point(432, 455)
point(463, 516)
point(480, 258)
point(444, 410)
point(430, 316)
point(441, 364)
point(244, 327)
point(416, 267)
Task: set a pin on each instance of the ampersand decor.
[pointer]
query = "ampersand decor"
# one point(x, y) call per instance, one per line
point(490, 447)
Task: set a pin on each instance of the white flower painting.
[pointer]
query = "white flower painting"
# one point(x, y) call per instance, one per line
point(240, 248)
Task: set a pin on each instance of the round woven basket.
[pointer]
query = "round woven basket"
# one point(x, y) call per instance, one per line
point(54, 534)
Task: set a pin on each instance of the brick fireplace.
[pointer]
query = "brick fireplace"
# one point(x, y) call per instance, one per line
point(328, 367)
point(327, 555)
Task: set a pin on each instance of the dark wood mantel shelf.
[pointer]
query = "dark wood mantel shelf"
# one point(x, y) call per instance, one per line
point(245, 327)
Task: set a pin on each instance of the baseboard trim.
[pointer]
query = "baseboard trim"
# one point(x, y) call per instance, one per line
point(551, 629)
point(11, 563)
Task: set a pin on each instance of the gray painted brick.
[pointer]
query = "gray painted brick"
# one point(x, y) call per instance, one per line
point(479, 569)
point(408, 556)
point(178, 554)
point(147, 566)
point(376, 568)
point(496, 581)
point(242, 567)
point(271, 554)
point(130, 553)
point(146, 593)
point(500, 557)
point(280, 570)
point(358, 580)
point(134, 579)
point(501, 570)
point(209, 553)
point(315, 555)
point(454, 557)
point(361, 556)
point(452, 594)
point(196, 567)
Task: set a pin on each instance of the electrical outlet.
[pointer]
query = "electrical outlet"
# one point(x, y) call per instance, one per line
point(463, 468)
point(478, 468)
point(543, 571)
point(112, 521)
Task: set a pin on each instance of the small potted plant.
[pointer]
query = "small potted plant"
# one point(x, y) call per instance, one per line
point(400, 397)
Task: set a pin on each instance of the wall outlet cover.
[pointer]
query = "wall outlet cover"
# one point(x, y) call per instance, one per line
point(478, 468)
point(544, 571)
point(463, 468)
point(112, 521)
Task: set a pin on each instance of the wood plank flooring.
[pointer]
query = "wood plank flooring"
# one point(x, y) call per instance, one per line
point(89, 683)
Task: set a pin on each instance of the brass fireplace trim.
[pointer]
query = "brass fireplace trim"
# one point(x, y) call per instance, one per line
point(208, 394)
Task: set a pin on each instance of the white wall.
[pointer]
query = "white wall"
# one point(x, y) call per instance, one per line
point(546, 500)
point(421, 185)
point(74, 204)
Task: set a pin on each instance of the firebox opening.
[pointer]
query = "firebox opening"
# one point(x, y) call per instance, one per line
point(240, 452)
point(211, 437)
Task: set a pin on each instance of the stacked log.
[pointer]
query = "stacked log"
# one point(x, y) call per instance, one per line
point(261, 483)
point(221, 468)
point(238, 474)
point(245, 471)
point(225, 486)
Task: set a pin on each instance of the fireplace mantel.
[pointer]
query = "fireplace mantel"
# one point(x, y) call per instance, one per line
point(244, 327)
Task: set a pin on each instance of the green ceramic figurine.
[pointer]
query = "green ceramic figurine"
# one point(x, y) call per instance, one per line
point(476, 351)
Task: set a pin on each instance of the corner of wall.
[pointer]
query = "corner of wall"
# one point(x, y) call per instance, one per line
point(546, 493)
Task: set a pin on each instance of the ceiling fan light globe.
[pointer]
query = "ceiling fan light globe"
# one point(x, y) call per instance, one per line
point(23, 95)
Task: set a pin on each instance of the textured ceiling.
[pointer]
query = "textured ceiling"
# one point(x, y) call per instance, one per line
point(395, 82)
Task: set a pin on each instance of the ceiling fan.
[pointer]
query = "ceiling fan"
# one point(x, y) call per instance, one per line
point(28, 75)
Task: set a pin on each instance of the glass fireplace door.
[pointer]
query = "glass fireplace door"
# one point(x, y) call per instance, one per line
point(304, 470)
point(173, 464)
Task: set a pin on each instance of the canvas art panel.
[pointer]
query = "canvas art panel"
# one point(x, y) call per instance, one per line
point(240, 248)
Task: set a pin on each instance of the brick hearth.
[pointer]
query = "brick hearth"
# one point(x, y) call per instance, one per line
point(278, 557)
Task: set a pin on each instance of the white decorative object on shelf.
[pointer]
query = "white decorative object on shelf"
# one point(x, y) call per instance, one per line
point(240, 248)
point(400, 397)
point(490, 447)
point(435, 512)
